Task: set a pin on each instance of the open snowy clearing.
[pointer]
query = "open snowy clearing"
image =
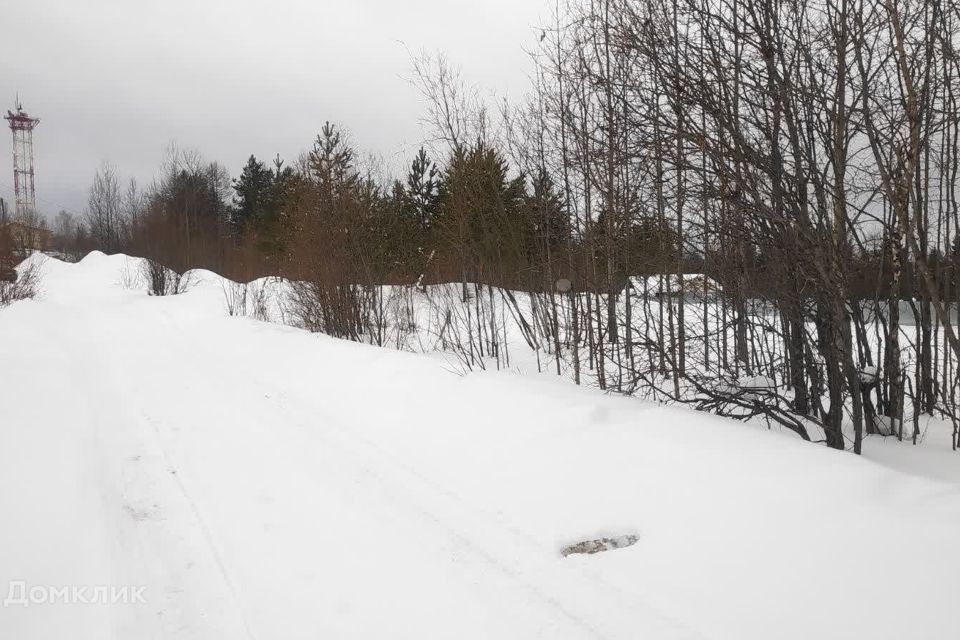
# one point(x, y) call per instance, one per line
point(263, 482)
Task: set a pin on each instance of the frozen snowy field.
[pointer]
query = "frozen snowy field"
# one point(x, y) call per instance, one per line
point(257, 481)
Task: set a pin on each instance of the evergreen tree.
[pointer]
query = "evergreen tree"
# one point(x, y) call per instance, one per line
point(547, 215)
point(274, 227)
point(332, 163)
point(422, 189)
point(255, 196)
point(481, 216)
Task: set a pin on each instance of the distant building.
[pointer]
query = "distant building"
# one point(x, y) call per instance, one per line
point(24, 238)
point(694, 285)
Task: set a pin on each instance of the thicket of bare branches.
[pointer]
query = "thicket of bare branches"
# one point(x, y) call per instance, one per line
point(18, 281)
point(804, 156)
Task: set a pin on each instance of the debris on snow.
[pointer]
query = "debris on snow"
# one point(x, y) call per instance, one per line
point(600, 544)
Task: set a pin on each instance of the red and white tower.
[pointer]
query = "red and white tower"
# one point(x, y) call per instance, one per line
point(22, 126)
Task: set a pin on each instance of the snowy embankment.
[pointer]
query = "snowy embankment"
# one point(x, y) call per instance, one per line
point(262, 482)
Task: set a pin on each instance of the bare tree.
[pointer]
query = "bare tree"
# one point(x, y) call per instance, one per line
point(105, 209)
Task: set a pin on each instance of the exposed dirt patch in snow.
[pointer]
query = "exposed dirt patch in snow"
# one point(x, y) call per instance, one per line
point(599, 544)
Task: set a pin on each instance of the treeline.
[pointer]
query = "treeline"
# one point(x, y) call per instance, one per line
point(802, 156)
point(477, 218)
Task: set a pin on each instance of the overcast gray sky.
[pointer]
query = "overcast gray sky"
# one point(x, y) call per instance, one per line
point(118, 80)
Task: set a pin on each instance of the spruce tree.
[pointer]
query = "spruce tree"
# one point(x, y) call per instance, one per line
point(255, 195)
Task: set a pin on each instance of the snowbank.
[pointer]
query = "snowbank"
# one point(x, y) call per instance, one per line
point(263, 482)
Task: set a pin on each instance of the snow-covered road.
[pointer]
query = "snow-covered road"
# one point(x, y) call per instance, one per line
point(262, 482)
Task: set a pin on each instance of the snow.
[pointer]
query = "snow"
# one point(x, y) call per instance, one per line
point(263, 482)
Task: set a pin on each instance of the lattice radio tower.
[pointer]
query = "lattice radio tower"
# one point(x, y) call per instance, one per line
point(22, 126)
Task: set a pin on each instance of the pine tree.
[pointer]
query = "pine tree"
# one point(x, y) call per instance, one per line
point(332, 163)
point(422, 189)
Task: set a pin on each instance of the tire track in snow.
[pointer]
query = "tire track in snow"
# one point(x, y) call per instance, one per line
point(108, 393)
point(204, 528)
